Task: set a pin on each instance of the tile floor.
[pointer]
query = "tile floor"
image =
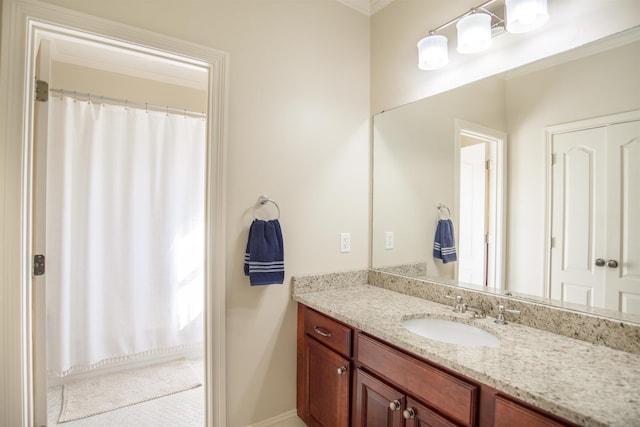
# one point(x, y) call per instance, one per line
point(184, 409)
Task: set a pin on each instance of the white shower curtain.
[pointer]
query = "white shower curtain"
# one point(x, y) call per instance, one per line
point(125, 234)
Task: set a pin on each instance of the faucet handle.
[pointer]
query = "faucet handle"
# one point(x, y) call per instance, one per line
point(459, 307)
point(501, 310)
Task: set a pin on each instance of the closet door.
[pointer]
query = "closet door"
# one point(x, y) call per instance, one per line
point(623, 228)
point(579, 216)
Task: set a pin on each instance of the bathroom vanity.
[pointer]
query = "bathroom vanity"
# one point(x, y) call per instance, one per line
point(358, 366)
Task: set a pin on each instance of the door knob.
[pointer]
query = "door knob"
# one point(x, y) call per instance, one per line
point(600, 262)
point(395, 405)
point(342, 370)
point(612, 263)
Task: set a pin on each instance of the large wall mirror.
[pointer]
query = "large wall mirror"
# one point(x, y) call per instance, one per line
point(515, 162)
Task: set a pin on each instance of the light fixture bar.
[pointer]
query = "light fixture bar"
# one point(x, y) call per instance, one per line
point(457, 18)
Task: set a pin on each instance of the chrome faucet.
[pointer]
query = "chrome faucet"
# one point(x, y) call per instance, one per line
point(478, 312)
point(459, 306)
point(501, 310)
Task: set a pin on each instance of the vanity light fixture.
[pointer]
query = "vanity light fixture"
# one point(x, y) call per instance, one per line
point(433, 52)
point(474, 32)
point(476, 27)
point(525, 15)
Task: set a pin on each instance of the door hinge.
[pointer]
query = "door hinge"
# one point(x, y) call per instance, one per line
point(38, 265)
point(553, 242)
point(42, 91)
point(553, 159)
point(488, 165)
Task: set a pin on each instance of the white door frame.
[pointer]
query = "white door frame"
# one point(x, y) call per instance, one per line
point(21, 21)
point(550, 132)
point(500, 138)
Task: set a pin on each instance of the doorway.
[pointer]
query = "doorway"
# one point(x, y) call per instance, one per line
point(122, 196)
point(481, 171)
point(27, 21)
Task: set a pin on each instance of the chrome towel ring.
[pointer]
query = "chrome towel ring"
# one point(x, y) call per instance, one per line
point(441, 212)
point(263, 200)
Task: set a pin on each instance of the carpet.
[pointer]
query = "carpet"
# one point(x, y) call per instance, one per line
point(95, 396)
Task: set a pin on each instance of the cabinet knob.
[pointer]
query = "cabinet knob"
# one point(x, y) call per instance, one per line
point(612, 263)
point(395, 405)
point(342, 370)
point(408, 413)
point(599, 262)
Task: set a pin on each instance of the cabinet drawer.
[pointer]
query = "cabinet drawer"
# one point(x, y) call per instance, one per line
point(447, 394)
point(509, 413)
point(328, 331)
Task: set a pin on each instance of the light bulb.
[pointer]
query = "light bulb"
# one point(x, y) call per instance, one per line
point(433, 52)
point(525, 15)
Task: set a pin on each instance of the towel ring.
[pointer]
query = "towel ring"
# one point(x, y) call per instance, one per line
point(263, 200)
point(440, 212)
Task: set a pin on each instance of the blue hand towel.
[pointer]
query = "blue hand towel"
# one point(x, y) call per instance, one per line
point(444, 246)
point(264, 257)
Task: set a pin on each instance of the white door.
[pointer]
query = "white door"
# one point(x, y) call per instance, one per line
point(43, 65)
point(595, 229)
point(578, 218)
point(473, 196)
point(623, 235)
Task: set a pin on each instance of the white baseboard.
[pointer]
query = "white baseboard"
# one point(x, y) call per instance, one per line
point(288, 419)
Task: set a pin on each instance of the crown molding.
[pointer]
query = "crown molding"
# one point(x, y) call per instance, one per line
point(366, 7)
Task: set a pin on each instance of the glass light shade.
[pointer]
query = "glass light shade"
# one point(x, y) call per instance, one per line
point(433, 52)
point(525, 15)
point(474, 33)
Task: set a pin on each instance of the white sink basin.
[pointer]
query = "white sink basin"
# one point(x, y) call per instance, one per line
point(450, 332)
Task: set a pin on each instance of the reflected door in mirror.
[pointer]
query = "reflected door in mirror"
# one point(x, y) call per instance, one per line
point(595, 211)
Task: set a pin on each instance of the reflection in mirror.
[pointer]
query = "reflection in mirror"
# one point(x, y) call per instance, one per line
point(417, 154)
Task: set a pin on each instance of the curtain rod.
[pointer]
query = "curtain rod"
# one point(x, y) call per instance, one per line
point(127, 103)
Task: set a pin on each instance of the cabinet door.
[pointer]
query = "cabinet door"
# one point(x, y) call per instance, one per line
point(326, 385)
point(373, 404)
point(508, 414)
point(419, 415)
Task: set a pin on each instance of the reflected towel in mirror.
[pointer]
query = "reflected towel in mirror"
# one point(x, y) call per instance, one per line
point(444, 246)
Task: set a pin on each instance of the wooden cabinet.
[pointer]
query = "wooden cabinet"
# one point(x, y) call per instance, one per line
point(510, 413)
point(324, 370)
point(440, 399)
point(349, 379)
point(377, 404)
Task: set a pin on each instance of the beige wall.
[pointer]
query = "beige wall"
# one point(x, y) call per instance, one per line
point(72, 77)
point(395, 31)
point(298, 131)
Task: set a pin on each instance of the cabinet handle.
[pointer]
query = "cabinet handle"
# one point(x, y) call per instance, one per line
point(395, 405)
point(408, 413)
point(599, 262)
point(322, 332)
point(342, 370)
point(612, 263)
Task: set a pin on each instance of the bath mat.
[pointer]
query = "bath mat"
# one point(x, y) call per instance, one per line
point(95, 396)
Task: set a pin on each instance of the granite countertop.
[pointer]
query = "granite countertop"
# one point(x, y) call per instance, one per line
point(588, 384)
